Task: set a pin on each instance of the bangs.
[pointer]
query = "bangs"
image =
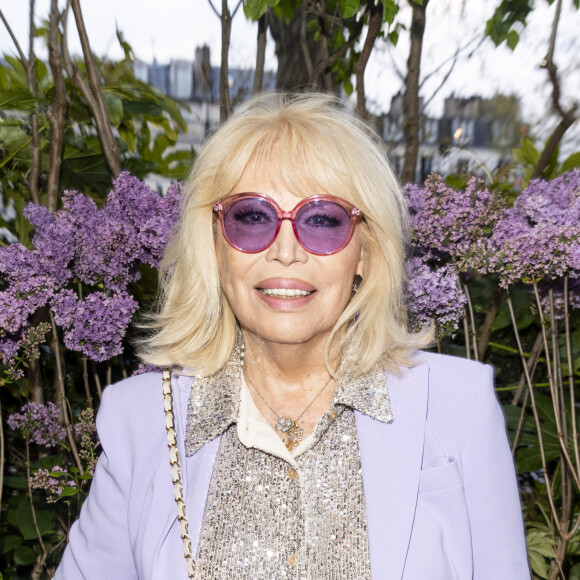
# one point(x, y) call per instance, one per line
point(303, 158)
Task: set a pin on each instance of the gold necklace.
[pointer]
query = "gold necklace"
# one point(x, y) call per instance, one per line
point(285, 425)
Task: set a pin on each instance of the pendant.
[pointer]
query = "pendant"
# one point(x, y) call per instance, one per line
point(294, 436)
point(284, 424)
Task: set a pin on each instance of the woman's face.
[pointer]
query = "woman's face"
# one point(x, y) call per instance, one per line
point(250, 281)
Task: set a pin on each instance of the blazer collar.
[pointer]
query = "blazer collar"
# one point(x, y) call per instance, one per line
point(391, 457)
point(214, 401)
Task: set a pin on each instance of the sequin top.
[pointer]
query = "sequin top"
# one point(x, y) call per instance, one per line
point(273, 514)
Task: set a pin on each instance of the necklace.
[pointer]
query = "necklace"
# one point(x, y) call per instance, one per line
point(285, 425)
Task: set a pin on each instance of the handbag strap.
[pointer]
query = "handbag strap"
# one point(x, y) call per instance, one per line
point(176, 472)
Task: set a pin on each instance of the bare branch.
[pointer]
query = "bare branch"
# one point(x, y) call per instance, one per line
point(14, 39)
point(237, 8)
point(214, 9)
point(374, 27)
point(568, 118)
point(99, 110)
point(411, 99)
point(34, 173)
point(302, 40)
point(324, 15)
point(326, 75)
point(260, 55)
point(225, 103)
point(56, 115)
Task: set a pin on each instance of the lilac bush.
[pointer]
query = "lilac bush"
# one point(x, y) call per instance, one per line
point(53, 482)
point(81, 262)
point(449, 223)
point(433, 296)
point(539, 237)
point(39, 424)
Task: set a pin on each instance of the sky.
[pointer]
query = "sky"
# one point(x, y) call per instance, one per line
point(172, 29)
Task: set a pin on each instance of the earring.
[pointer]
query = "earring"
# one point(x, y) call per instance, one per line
point(356, 282)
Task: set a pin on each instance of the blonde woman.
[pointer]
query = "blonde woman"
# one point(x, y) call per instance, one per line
point(301, 432)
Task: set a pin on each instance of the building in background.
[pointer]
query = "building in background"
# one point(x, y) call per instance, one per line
point(195, 84)
point(474, 136)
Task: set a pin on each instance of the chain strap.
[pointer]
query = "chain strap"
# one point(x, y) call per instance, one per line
point(176, 472)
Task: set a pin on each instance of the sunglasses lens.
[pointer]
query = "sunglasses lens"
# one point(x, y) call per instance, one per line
point(323, 226)
point(250, 224)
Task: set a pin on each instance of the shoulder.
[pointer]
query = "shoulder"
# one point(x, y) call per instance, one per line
point(139, 396)
point(133, 408)
point(455, 375)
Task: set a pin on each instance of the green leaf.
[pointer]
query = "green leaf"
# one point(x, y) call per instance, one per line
point(512, 39)
point(571, 162)
point(68, 491)
point(44, 518)
point(348, 8)
point(115, 108)
point(9, 543)
point(528, 153)
point(255, 9)
point(394, 37)
point(390, 10)
point(24, 556)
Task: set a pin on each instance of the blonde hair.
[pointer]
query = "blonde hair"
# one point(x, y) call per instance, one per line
point(309, 145)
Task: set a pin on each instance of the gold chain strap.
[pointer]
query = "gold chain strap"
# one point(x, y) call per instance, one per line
point(176, 472)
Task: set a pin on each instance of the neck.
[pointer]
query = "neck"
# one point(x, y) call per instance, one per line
point(285, 364)
point(290, 378)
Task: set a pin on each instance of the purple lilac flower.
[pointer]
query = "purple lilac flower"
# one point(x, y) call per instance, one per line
point(151, 216)
point(96, 325)
point(102, 248)
point(451, 223)
point(39, 423)
point(52, 482)
point(433, 296)
point(539, 238)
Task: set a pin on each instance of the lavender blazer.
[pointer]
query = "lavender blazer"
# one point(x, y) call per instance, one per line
point(440, 489)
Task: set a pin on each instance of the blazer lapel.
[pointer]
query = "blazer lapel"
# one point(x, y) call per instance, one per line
point(391, 457)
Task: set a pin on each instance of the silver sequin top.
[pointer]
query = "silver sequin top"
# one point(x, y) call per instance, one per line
point(270, 515)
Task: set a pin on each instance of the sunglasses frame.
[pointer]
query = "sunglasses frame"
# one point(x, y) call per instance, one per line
point(221, 208)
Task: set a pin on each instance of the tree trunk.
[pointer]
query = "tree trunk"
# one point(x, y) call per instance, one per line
point(293, 66)
point(375, 21)
point(411, 100)
point(225, 103)
point(260, 56)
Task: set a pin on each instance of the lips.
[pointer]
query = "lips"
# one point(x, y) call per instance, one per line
point(280, 292)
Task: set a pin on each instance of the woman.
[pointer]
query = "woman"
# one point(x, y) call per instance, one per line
point(308, 437)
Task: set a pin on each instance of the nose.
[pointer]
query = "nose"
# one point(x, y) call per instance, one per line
point(286, 248)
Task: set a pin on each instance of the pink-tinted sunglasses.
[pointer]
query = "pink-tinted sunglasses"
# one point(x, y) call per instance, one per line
point(323, 224)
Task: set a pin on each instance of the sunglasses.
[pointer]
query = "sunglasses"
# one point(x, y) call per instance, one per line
point(323, 224)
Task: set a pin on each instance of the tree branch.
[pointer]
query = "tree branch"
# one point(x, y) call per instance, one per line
point(302, 40)
point(411, 99)
point(328, 61)
point(260, 55)
point(374, 27)
point(56, 115)
point(34, 174)
point(225, 103)
point(568, 118)
point(99, 108)
point(214, 9)
point(14, 39)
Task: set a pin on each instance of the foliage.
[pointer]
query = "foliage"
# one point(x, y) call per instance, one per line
point(147, 124)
